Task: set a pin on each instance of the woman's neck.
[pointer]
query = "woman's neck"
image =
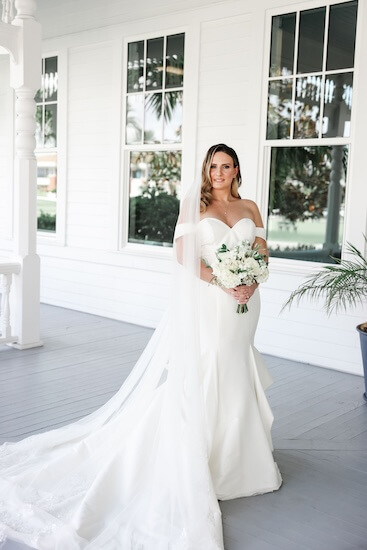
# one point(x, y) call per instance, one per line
point(222, 195)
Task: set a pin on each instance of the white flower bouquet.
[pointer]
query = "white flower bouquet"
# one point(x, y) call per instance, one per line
point(240, 265)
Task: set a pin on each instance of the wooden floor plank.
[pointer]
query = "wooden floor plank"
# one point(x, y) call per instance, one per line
point(319, 433)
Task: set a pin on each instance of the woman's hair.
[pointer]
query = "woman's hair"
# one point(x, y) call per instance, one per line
point(206, 196)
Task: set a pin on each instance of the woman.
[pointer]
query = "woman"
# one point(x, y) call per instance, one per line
point(234, 375)
point(190, 425)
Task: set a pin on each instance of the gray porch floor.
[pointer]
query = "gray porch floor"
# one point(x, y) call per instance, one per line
point(319, 433)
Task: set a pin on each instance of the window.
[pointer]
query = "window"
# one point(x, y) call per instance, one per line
point(153, 137)
point(46, 146)
point(310, 94)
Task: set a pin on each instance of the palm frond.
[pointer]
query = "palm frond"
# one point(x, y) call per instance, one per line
point(341, 285)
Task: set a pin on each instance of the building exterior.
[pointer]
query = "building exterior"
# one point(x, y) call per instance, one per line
point(133, 94)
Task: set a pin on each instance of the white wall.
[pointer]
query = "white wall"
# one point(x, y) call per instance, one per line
point(6, 156)
point(84, 267)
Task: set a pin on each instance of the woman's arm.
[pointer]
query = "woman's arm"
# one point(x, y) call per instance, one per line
point(263, 248)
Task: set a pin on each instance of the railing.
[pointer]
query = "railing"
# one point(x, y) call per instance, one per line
point(7, 270)
point(8, 11)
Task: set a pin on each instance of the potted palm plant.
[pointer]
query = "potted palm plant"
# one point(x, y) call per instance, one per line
point(342, 285)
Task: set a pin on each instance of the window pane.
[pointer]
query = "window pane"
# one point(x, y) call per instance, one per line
point(342, 33)
point(50, 82)
point(154, 196)
point(154, 67)
point(306, 202)
point(282, 44)
point(311, 40)
point(279, 109)
point(46, 191)
point(39, 95)
point(39, 126)
point(153, 118)
point(338, 105)
point(135, 67)
point(175, 61)
point(307, 107)
point(173, 117)
point(50, 132)
point(134, 118)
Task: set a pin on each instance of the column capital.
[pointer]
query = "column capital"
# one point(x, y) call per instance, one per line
point(25, 9)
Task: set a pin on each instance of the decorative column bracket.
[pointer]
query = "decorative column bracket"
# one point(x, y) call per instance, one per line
point(9, 39)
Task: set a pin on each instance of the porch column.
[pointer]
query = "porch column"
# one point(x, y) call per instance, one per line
point(333, 201)
point(25, 78)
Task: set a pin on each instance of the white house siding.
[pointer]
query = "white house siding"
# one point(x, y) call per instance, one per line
point(85, 267)
point(6, 155)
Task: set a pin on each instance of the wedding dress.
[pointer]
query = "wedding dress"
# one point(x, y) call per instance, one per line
point(234, 377)
point(190, 425)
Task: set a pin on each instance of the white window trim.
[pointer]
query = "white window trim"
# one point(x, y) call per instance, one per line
point(188, 143)
point(286, 265)
point(58, 238)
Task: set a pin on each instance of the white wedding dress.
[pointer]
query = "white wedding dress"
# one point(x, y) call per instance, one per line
point(145, 471)
point(234, 377)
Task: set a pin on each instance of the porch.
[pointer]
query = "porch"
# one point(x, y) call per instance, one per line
point(320, 429)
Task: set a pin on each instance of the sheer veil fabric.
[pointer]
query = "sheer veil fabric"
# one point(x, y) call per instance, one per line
point(133, 475)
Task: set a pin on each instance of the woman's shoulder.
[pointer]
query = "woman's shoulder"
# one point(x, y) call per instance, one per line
point(251, 205)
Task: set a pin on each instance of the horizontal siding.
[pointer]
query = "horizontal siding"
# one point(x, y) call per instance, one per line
point(306, 333)
point(91, 93)
point(223, 82)
point(138, 295)
point(6, 150)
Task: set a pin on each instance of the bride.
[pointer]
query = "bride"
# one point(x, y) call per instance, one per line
point(190, 425)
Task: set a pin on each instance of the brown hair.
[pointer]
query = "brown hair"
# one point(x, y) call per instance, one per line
point(206, 196)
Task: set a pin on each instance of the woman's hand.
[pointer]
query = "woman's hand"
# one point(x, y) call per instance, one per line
point(243, 293)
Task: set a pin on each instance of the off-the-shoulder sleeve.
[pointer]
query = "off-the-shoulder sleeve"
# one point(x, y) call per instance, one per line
point(260, 232)
point(184, 229)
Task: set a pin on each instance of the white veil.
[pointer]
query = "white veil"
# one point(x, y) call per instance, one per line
point(134, 474)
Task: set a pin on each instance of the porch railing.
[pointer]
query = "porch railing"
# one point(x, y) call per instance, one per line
point(7, 270)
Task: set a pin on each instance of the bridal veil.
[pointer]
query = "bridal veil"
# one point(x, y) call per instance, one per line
point(134, 474)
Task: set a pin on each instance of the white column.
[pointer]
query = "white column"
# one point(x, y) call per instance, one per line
point(25, 78)
point(331, 243)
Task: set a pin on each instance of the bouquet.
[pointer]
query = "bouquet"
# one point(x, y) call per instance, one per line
point(240, 265)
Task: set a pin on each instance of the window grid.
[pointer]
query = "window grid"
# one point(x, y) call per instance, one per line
point(157, 157)
point(333, 141)
point(46, 147)
point(296, 75)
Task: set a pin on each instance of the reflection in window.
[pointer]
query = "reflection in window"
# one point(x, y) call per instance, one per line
point(282, 45)
point(46, 145)
point(175, 61)
point(153, 118)
point(134, 118)
point(311, 40)
point(338, 105)
point(165, 76)
point(173, 117)
point(306, 202)
point(154, 69)
point(342, 36)
point(319, 63)
point(154, 114)
point(135, 66)
point(279, 109)
point(154, 196)
point(46, 191)
point(307, 107)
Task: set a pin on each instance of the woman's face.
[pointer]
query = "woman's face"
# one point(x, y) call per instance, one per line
point(222, 171)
